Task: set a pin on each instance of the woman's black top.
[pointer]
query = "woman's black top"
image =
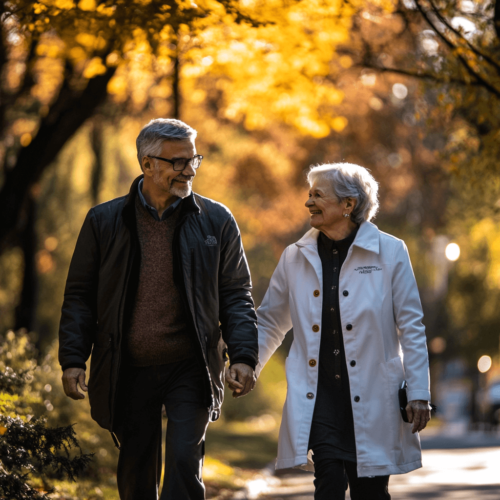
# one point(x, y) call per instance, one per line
point(332, 430)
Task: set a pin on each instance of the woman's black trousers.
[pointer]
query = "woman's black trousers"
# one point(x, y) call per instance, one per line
point(332, 475)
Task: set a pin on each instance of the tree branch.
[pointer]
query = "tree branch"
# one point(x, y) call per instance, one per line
point(476, 51)
point(452, 47)
point(421, 76)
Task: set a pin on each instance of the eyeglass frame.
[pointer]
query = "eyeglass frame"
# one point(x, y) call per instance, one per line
point(173, 160)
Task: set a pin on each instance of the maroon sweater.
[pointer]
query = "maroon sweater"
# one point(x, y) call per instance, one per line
point(158, 331)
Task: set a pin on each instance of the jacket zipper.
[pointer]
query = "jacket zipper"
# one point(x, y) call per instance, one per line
point(195, 324)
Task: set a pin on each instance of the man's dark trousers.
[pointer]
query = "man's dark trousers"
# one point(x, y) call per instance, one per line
point(178, 386)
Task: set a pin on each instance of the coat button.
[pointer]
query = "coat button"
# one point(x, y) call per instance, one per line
point(310, 395)
point(357, 398)
point(316, 293)
point(312, 362)
point(337, 376)
point(349, 327)
point(315, 328)
point(345, 293)
point(353, 363)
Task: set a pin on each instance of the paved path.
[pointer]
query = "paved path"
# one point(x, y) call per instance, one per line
point(462, 467)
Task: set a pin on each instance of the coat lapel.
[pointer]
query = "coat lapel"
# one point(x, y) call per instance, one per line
point(368, 237)
point(308, 245)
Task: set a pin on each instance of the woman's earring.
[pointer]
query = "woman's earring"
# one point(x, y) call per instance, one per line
point(346, 215)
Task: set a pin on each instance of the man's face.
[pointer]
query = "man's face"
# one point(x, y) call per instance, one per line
point(162, 173)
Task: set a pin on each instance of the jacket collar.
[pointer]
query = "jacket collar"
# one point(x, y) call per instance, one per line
point(188, 205)
point(368, 238)
point(128, 212)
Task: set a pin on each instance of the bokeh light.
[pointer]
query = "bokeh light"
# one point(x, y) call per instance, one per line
point(399, 90)
point(437, 345)
point(484, 364)
point(452, 252)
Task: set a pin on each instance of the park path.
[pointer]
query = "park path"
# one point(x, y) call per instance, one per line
point(461, 468)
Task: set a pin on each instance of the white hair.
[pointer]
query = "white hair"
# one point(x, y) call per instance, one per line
point(350, 181)
point(156, 132)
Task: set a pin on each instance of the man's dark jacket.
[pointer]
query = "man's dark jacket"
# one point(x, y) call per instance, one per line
point(210, 269)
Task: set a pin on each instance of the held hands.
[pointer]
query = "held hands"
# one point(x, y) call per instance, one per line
point(419, 413)
point(72, 377)
point(241, 379)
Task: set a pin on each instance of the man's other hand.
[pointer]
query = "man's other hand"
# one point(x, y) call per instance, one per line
point(419, 413)
point(71, 379)
point(241, 379)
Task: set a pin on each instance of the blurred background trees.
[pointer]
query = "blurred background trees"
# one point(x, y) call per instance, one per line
point(409, 89)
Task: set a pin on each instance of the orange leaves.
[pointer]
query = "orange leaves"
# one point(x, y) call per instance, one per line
point(38, 8)
point(62, 4)
point(88, 5)
point(276, 72)
point(25, 140)
point(94, 67)
point(278, 69)
point(90, 41)
point(339, 123)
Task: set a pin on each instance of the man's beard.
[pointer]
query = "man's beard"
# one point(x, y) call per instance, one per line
point(179, 189)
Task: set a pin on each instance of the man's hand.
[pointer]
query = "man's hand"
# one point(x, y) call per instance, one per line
point(419, 413)
point(241, 379)
point(72, 377)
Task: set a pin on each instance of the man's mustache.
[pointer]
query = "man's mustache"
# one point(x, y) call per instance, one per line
point(183, 178)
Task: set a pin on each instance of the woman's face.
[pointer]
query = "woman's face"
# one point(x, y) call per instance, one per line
point(325, 209)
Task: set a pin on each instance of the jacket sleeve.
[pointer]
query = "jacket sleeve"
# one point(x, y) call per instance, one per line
point(274, 315)
point(79, 311)
point(236, 307)
point(408, 316)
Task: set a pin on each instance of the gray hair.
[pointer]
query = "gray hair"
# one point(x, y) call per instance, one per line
point(156, 132)
point(350, 181)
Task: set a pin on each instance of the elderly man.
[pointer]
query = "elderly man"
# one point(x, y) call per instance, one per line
point(159, 291)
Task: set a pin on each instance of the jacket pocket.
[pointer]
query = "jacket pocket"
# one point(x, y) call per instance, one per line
point(102, 341)
point(99, 383)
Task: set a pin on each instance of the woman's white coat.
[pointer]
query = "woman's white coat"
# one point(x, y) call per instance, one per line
point(379, 297)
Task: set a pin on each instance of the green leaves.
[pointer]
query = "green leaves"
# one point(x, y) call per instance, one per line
point(28, 447)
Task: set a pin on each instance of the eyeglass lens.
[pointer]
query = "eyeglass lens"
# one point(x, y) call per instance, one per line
point(182, 163)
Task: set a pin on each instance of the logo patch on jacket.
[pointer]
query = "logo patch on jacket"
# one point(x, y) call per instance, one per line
point(367, 269)
point(211, 241)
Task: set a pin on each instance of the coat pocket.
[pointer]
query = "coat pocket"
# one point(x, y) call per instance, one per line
point(395, 375)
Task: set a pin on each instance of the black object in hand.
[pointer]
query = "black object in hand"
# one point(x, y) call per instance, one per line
point(403, 401)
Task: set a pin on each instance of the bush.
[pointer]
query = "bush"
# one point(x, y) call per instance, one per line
point(31, 452)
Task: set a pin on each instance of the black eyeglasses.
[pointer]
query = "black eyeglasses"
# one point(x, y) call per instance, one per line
point(180, 164)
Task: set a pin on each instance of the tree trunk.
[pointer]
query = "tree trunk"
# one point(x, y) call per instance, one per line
point(97, 168)
point(26, 309)
point(67, 114)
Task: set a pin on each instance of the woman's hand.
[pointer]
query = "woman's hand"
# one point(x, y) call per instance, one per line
point(419, 413)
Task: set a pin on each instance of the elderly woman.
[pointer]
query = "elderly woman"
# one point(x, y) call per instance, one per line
point(349, 292)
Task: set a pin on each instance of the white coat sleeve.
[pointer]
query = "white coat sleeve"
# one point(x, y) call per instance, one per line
point(273, 315)
point(408, 316)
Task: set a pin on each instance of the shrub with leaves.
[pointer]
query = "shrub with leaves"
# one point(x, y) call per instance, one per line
point(30, 451)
